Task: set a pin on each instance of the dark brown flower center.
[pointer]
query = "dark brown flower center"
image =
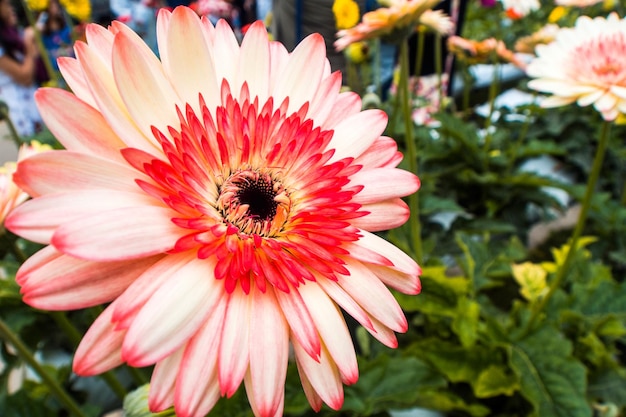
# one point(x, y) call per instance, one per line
point(259, 197)
point(250, 200)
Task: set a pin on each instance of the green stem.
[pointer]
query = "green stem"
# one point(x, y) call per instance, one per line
point(4, 115)
point(75, 337)
point(403, 89)
point(42, 49)
point(493, 93)
point(53, 384)
point(419, 53)
point(439, 69)
point(580, 225)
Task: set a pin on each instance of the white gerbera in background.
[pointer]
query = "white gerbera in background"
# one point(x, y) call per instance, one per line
point(585, 64)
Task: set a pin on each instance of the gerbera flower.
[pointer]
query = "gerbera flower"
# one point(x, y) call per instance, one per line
point(480, 52)
point(346, 13)
point(437, 21)
point(223, 201)
point(393, 22)
point(585, 64)
point(10, 194)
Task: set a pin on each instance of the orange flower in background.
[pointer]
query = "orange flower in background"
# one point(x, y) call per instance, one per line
point(398, 17)
point(482, 52)
point(11, 195)
point(585, 64)
point(224, 208)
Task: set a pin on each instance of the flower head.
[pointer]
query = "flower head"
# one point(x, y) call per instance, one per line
point(222, 200)
point(396, 20)
point(585, 64)
point(437, 21)
point(346, 13)
point(480, 52)
point(10, 194)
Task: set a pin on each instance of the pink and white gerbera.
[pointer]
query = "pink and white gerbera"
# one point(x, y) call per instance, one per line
point(223, 200)
point(585, 64)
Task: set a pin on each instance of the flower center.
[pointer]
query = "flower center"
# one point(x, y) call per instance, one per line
point(254, 202)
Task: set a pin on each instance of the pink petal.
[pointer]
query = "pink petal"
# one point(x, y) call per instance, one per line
point(179, 306)
point(347, 104)
point(73, 75)
point(382, 184)
point(140, 291)
point(254, 65)
point(332, 329)
point(327, 93)
point(225, 54)
point(163, 381)
point(373, 296)
point(100, 349)
point(197, 388)
point(400, 260)
point(304, 63)
point(65, 115)
point(109, 102)
point(346, 302)
point(58, 171)
point(67, 283)
point(188, 64)
point(385, 215)
point(269, 351)
point(382, 153)
point(143, 86)
point(300, 321)
point(323, 377)
point(37, 219)
point(235, 344)
point(354, 134)
point(126, 233)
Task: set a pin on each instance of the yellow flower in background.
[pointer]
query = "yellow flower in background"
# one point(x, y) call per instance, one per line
point(346, 13)
point(531, 278)
point(78, 9)
point(556, 14)
point(357, 52)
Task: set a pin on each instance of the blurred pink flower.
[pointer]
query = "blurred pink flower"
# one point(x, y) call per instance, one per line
point(222, 206)
point(585, 64)
point(10, 194)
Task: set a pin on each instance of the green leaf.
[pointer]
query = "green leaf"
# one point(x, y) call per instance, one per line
point(607, 298)
point(447, 401)
point(456, 363)
point(550, 378)
point(495, 380)
point(465, 323)
point(442, 294)
point(609, 386)
point(136, 404)
point(390, 382)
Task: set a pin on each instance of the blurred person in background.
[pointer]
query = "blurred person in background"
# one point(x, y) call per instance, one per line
point(20, 69)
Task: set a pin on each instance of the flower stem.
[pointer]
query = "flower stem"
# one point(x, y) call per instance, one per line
point(578, 229)
point(414, 221)
point(53, 384)
point(75, 336)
